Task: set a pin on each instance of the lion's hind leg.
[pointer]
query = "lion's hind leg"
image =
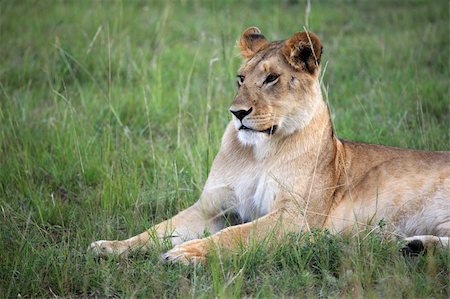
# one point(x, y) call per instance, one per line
point(417, 244)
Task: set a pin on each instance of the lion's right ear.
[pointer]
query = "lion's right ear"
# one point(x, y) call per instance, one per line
point(251, 42)
point(303, 51)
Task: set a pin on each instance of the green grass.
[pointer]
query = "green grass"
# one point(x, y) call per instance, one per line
point(111, 113)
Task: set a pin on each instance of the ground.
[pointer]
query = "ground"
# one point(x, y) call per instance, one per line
point(112, 111)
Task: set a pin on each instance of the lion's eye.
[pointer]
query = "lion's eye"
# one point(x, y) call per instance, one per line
point(271, 78)
point(240, 80)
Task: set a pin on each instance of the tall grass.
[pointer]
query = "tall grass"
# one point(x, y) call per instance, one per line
point(112, 111)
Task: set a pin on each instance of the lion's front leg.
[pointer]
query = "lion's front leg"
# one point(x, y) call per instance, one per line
point(186, 225)
point(275, 224)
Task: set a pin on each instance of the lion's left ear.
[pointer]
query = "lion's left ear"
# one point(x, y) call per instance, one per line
point(303, 51)
point(251, 42)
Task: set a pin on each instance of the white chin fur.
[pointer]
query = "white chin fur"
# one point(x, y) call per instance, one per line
point(251, 137)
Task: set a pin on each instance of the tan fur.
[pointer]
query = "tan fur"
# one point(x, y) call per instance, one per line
point(294, 174)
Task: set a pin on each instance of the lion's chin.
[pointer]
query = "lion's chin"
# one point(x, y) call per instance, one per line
point(249, 137)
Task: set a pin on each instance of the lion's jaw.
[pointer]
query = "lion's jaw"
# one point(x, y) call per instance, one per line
point(249, 137)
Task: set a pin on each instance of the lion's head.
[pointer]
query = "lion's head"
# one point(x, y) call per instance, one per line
point(278, 88)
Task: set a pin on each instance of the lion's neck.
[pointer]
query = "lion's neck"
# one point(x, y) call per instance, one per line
point(316, 136)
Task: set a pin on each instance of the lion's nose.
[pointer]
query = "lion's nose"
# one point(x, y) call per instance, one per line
point(240, 114)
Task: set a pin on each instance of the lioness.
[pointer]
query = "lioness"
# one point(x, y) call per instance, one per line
point(281, 169)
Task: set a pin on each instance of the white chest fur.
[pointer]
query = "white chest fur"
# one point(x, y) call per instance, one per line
point(255, 195)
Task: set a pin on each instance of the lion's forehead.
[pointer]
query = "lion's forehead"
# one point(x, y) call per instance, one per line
point(267, 57)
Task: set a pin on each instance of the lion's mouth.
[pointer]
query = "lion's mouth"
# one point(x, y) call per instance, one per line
point(268, 131)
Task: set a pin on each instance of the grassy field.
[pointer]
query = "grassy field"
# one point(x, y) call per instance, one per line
point(111, 113)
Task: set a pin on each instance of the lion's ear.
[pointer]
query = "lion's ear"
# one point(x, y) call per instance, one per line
point(251, 42)
point(303, 51)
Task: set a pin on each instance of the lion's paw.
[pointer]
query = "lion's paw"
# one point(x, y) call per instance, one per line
point(104, 248)
point(191, 252)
